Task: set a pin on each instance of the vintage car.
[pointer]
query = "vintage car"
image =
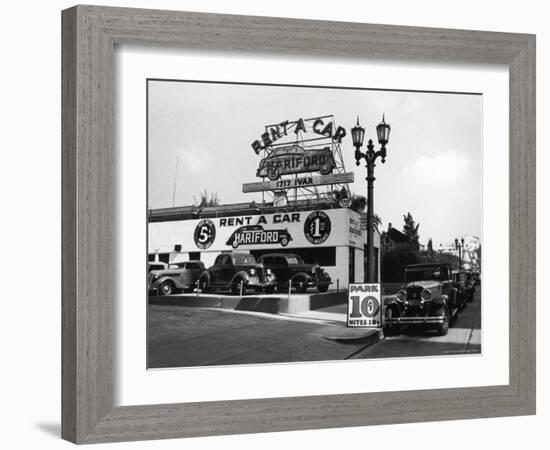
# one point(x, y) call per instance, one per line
point(465, 279)
point(295, 159)
point(255, 234)
point(428, 299)
point(173, 277)
point(237, 272)
point(477, 278)
point(291, 269)
point(461, 290)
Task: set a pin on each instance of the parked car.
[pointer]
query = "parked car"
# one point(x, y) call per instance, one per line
point(428, 298)
point(466, 278)
point(232, 269)
point(477, 278)
point(173, 277)
point(462, 290)
point(296, 159)
point(290, 268)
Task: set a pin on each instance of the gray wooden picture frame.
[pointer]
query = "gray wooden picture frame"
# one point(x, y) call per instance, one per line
point(89, 37)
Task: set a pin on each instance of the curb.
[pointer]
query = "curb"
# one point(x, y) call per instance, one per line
point(369, 337)
point(272, 304)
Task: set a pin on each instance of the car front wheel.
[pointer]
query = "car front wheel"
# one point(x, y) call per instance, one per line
point(203, 285)
point(322, 288)
point(443, 328)
point(300, 285)
point(390, 329)
point(167, 288)
point(236, 287)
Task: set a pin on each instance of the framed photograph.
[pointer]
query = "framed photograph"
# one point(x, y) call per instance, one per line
point(264, 229)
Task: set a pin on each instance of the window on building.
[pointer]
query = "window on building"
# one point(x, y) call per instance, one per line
point(194, 256)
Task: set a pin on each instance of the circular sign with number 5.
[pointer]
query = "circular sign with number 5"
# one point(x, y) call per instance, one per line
point(205, 233)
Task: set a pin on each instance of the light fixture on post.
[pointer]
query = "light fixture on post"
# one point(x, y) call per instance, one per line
point(370, 156)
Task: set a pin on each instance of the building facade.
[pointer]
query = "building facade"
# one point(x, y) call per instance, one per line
point(330, 236)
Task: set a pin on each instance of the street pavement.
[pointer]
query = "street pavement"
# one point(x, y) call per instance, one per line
point(464, 337)
point(183, 336)
point(180, 336)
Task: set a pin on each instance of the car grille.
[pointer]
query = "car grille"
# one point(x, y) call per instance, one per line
point(260, 274)
point(413, 294)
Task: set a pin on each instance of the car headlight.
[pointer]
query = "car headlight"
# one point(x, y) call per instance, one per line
point(426, 295)
point(252, 272)
point(402, 295)
point(268, 272)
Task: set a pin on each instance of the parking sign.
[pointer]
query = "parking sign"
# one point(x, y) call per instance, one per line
point(364, 307)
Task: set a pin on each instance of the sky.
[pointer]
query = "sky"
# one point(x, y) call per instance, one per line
point(200, 137)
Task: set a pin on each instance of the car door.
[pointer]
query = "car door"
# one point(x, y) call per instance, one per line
point(192, 273)
point(447, 286)
point(226, 271)
point(280, 269)
point(216, 270)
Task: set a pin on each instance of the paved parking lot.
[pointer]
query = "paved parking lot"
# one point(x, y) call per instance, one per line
point(183, 336)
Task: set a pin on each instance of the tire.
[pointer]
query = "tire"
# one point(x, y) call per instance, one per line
point(443, 328)
point(326, 169)
point(236, 287)
point(391, 329)
point(167, 288)
point(203, 285)
point(323, 288)
point(273, 174)
point(300, 285)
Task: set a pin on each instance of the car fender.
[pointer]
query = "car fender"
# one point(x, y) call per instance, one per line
point(391, 300)
point(442, 300)
point(164, 278)
point(301, 275)
point(206, 275)
point(242, 274)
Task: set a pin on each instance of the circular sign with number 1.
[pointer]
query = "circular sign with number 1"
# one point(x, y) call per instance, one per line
point(317, 227)
point(205, 233)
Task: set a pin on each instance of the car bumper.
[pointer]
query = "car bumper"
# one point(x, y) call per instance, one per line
point(254, 283)
point(415, 320)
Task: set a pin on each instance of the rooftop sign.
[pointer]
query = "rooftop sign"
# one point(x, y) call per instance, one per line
point(307, 181)
point(315, 125)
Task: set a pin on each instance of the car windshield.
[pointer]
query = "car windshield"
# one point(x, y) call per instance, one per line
point(294, 260)
point(243, 259)
point(420, 275)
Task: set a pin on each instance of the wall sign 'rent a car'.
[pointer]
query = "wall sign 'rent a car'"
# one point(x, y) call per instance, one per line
point(256, 235)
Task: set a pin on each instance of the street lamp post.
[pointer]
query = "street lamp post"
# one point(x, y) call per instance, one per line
point(459, 245)
point(370, 156)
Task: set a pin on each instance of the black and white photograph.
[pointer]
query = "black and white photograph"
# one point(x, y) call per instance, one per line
point(291, 224)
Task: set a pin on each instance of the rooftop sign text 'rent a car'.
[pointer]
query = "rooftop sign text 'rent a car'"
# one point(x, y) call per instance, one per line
point(317, 125)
